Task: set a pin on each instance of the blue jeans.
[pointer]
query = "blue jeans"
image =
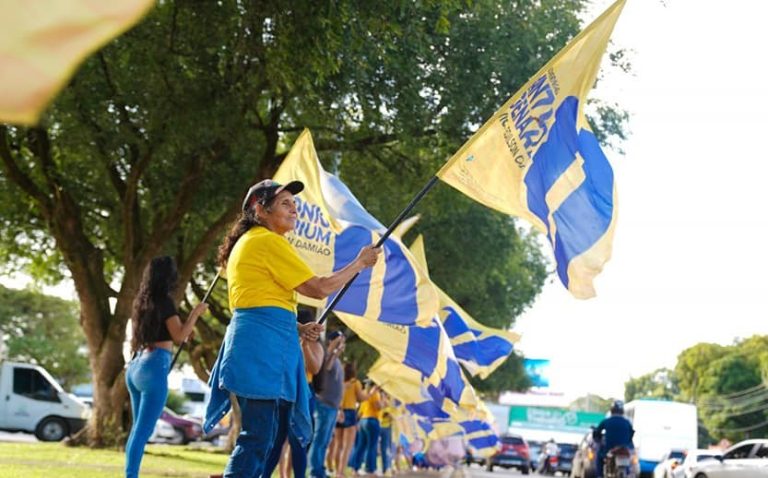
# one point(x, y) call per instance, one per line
point(325, 419)
point(147, 381)
point(261, 421)
point(385, 441)
point(369, 441)
point(356, 456)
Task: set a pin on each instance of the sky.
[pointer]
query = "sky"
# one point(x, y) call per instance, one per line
point(689, 248)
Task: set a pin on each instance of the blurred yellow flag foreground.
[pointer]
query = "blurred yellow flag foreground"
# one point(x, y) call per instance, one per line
point(42, 43)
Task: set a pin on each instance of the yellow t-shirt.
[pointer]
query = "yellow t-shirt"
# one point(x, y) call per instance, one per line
point(370, 408)
point(385, 416)
point(351, 388)
point(263, 270)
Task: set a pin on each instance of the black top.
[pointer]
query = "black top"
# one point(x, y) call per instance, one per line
point(164, 309)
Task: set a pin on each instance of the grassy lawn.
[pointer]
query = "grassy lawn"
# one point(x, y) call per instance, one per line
point(38, 460)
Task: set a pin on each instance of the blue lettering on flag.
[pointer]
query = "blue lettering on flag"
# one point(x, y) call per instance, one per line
point(586, 213)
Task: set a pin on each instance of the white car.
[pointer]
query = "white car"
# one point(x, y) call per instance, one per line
point(692, 459)
point(33, 401)
point(669, 462)
point(747, 459)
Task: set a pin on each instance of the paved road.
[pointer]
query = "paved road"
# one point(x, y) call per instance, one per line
point(475, 471)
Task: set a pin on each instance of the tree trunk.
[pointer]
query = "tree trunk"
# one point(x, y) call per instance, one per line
point(110, 422)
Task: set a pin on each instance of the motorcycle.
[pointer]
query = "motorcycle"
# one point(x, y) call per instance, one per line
point(618, 463)
point(547, 465)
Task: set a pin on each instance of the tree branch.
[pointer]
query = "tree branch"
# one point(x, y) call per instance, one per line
point(187, 267)
point(19, 178)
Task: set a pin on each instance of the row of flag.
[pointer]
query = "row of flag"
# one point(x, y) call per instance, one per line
point(536, 158)
point(423, 336)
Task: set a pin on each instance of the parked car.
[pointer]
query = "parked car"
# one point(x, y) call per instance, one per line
point(514, 453)
point(669, 462)
point(746, 459)
point(565, 457)
point(175, 429)
point(585, 457)
point(692, 459)
point(33, 401)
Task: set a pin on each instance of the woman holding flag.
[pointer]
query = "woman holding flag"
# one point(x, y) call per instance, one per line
point(260, 360)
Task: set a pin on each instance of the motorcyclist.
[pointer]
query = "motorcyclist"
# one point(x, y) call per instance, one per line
point(549, 449)
point(613, 431)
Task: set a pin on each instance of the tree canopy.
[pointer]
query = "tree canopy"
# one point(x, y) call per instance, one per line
point(661, 383)
point(152, 145)
point(43, 330)
point(725, 382)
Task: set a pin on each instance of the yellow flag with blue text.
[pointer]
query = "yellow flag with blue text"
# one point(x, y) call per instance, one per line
point(331, 229)
point(42, 44)
point(479, 348)
point(537, 158)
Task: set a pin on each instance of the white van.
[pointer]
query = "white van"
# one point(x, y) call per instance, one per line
point(31, 400)
point(661, 426)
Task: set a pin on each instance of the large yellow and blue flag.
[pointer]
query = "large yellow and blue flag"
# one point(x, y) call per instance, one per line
point(42, 44)
point(332, 228)
point(479, 348)
point(537, 158)
point(416, 359)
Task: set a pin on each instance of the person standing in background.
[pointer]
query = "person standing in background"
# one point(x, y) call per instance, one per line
point(346, 427)
point(365, 447)
point(329, 388)
point(156, 326)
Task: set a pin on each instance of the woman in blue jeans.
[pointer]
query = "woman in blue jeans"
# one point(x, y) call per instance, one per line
point(260, 358)
point(156, 325)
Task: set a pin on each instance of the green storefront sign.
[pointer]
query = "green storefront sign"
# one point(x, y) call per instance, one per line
point(547, 418)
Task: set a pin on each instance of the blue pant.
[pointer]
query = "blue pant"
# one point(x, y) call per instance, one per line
point(356, 456)
point(325, 419)
point(366, 448)
point(147, 381)
point(261, 421)
point(385, 442)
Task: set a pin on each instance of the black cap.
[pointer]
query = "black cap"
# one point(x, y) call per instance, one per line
point(266, 190)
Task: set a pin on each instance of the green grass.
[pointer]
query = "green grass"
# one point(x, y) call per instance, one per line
point(38, 460)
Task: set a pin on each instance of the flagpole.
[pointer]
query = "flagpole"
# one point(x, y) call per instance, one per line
point(381, 240)
point(205, 299)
